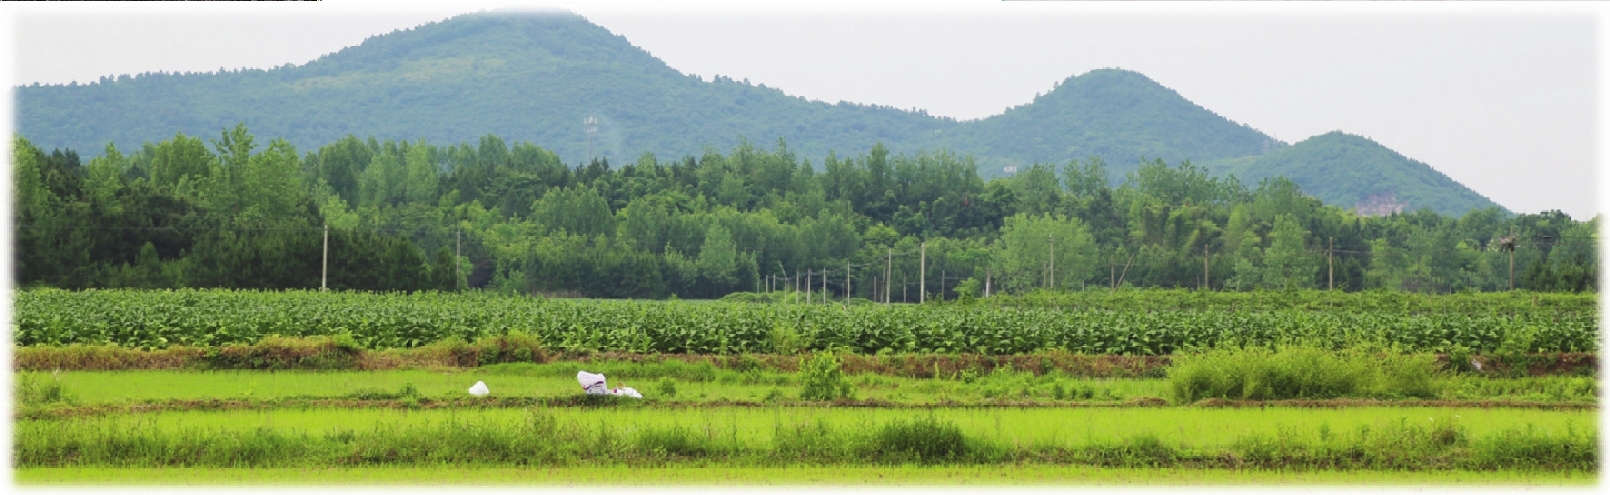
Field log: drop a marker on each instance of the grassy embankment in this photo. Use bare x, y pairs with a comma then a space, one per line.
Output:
1269, 438
794, 475
108, 392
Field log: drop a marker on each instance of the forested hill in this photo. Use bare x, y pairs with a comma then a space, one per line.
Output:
1122, 116
537, 78
523, 77
1348, 170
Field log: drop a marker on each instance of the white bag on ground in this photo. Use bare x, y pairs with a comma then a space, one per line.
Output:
594, 384
591, 383
479, 390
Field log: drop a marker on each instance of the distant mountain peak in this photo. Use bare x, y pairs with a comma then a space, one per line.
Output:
561, 82
1355, 171
1118, 114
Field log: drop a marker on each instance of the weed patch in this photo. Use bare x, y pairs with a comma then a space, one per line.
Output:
1300, 372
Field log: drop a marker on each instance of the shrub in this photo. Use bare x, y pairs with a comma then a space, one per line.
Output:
822, 379
1530, 449
818, 441
1406, 375
785, 340
926, 440
1300, 372
1460, 360
36, 388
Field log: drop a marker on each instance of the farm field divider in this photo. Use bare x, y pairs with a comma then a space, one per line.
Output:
158, 319
1294, 439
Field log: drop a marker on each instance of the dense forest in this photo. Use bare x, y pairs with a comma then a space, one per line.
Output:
233, 211
539, 78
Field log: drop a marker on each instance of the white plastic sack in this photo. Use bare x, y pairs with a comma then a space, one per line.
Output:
627, 391
479, 390
591, 383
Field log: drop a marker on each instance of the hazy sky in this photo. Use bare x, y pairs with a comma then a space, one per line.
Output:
1500, 97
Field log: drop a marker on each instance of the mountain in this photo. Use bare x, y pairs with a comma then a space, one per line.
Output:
1347, 170
540, 77
522, 77
1122, 116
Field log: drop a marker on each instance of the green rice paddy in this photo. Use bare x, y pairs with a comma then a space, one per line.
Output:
724, 427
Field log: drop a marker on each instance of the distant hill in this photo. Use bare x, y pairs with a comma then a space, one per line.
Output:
1347, 170
522, 77
538, 77
1122, 116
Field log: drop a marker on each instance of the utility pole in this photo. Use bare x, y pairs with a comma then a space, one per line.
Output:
1205, 282
846, 284
1512, 257
324, 272
922, 275
1330, 264
904, 287
807, 284
458, 253
824, 286
1053, 243
941, 285
1112, 271
888, 263
986, 281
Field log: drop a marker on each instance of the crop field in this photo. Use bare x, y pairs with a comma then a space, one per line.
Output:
237, 387
1151, 326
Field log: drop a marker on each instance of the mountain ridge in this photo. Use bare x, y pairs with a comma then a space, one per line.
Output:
1363, 174
539, 77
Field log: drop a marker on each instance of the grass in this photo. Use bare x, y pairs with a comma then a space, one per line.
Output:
692, 383
40, 388
1354, 438
1302, 372
1204, 426
115, 387
750, 444
795, 475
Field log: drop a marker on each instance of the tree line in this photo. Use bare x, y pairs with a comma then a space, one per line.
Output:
366, 214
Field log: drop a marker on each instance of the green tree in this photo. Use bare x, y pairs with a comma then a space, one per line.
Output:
1287, 262
718, 259
421, 174
179, 160
1022, 258
577, 210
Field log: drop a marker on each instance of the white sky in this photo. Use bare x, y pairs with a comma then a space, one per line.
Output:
1501, 97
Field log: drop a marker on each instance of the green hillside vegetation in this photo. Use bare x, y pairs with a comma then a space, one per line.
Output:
537, 78
531, 78
1119, 115
233, 211
1348, 170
